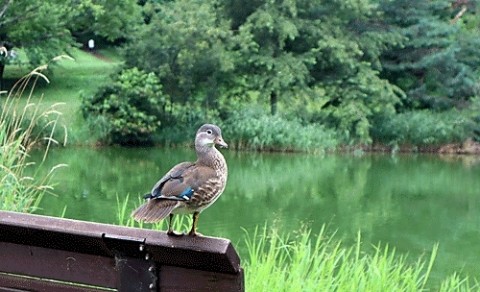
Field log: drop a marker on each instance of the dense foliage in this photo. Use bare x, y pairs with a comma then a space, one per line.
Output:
126, 110
44, 29
251, 129
436, 64
360, 68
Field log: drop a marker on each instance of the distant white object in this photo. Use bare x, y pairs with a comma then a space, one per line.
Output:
91, 44
13, 54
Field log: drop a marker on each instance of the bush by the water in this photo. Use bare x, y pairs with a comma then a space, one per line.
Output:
127, 110
247, 128
423, 128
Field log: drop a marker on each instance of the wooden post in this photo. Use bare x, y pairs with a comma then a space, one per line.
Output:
40, 253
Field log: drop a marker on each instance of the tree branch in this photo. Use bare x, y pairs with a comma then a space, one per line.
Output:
25, 15
5, 7
459, 15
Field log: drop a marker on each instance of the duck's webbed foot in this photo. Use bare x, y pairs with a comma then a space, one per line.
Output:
173, 233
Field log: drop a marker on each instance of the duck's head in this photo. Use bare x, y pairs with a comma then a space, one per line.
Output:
209, 135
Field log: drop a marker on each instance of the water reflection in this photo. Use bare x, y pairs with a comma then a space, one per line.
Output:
410, 202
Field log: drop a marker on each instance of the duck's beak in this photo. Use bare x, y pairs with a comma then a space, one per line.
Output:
219, 141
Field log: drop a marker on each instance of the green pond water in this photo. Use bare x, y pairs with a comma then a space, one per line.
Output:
409, 202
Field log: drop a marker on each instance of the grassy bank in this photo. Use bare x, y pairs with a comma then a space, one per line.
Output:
69, 80
318, 262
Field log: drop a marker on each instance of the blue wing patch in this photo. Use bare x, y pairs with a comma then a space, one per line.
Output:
186, 194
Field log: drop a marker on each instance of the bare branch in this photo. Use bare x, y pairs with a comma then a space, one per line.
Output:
459, 15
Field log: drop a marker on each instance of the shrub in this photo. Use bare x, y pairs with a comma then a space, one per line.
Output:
181, 122
251, 129
473, 113
424, 127
126, 111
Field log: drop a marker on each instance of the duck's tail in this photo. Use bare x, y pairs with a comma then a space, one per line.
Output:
154, 210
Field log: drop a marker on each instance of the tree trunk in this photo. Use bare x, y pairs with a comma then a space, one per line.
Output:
273, 103
2, 69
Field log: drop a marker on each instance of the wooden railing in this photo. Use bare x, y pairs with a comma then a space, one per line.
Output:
40, 253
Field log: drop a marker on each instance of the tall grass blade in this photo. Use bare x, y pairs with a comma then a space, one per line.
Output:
20, 132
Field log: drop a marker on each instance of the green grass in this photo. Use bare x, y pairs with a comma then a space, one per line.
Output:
320, 263
303, 261
24, 125
69, 80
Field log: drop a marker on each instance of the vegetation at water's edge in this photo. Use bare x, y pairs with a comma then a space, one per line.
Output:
22, 126
303, 261
318, 262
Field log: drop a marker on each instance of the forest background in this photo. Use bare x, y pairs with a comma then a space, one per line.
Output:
276, 75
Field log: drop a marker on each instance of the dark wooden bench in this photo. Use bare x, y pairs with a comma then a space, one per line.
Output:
40, 253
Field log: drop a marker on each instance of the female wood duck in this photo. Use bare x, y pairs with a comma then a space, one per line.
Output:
189, 187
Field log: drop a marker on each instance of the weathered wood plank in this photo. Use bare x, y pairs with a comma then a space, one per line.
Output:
173, 279
89, 237
14, 283
51, 253
58, 264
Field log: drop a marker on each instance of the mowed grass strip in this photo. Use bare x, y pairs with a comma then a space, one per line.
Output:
69, 80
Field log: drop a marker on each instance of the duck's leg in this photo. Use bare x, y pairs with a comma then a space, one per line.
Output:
193, 231
170, 227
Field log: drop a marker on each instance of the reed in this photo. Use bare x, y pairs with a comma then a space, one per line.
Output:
251, 129
23, 127
319, 263
303, 261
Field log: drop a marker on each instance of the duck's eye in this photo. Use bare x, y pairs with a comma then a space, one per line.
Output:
209, 132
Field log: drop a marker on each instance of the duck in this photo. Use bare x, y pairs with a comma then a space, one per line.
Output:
189, 187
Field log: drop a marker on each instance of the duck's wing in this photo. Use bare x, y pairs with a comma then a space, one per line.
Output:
184, 182
165, 195
175, 174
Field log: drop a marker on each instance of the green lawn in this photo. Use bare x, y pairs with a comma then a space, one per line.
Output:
69, 80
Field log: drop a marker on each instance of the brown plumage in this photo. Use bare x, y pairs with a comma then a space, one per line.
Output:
189, 187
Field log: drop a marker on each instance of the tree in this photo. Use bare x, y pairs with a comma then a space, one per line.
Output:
37, 26
43, 28
436, 62
186, 43
270, 62
327, 51
111, 20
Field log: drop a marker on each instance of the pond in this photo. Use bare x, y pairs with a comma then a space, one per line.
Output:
409, 202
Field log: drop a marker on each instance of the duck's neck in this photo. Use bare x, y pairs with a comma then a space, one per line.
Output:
211, 157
